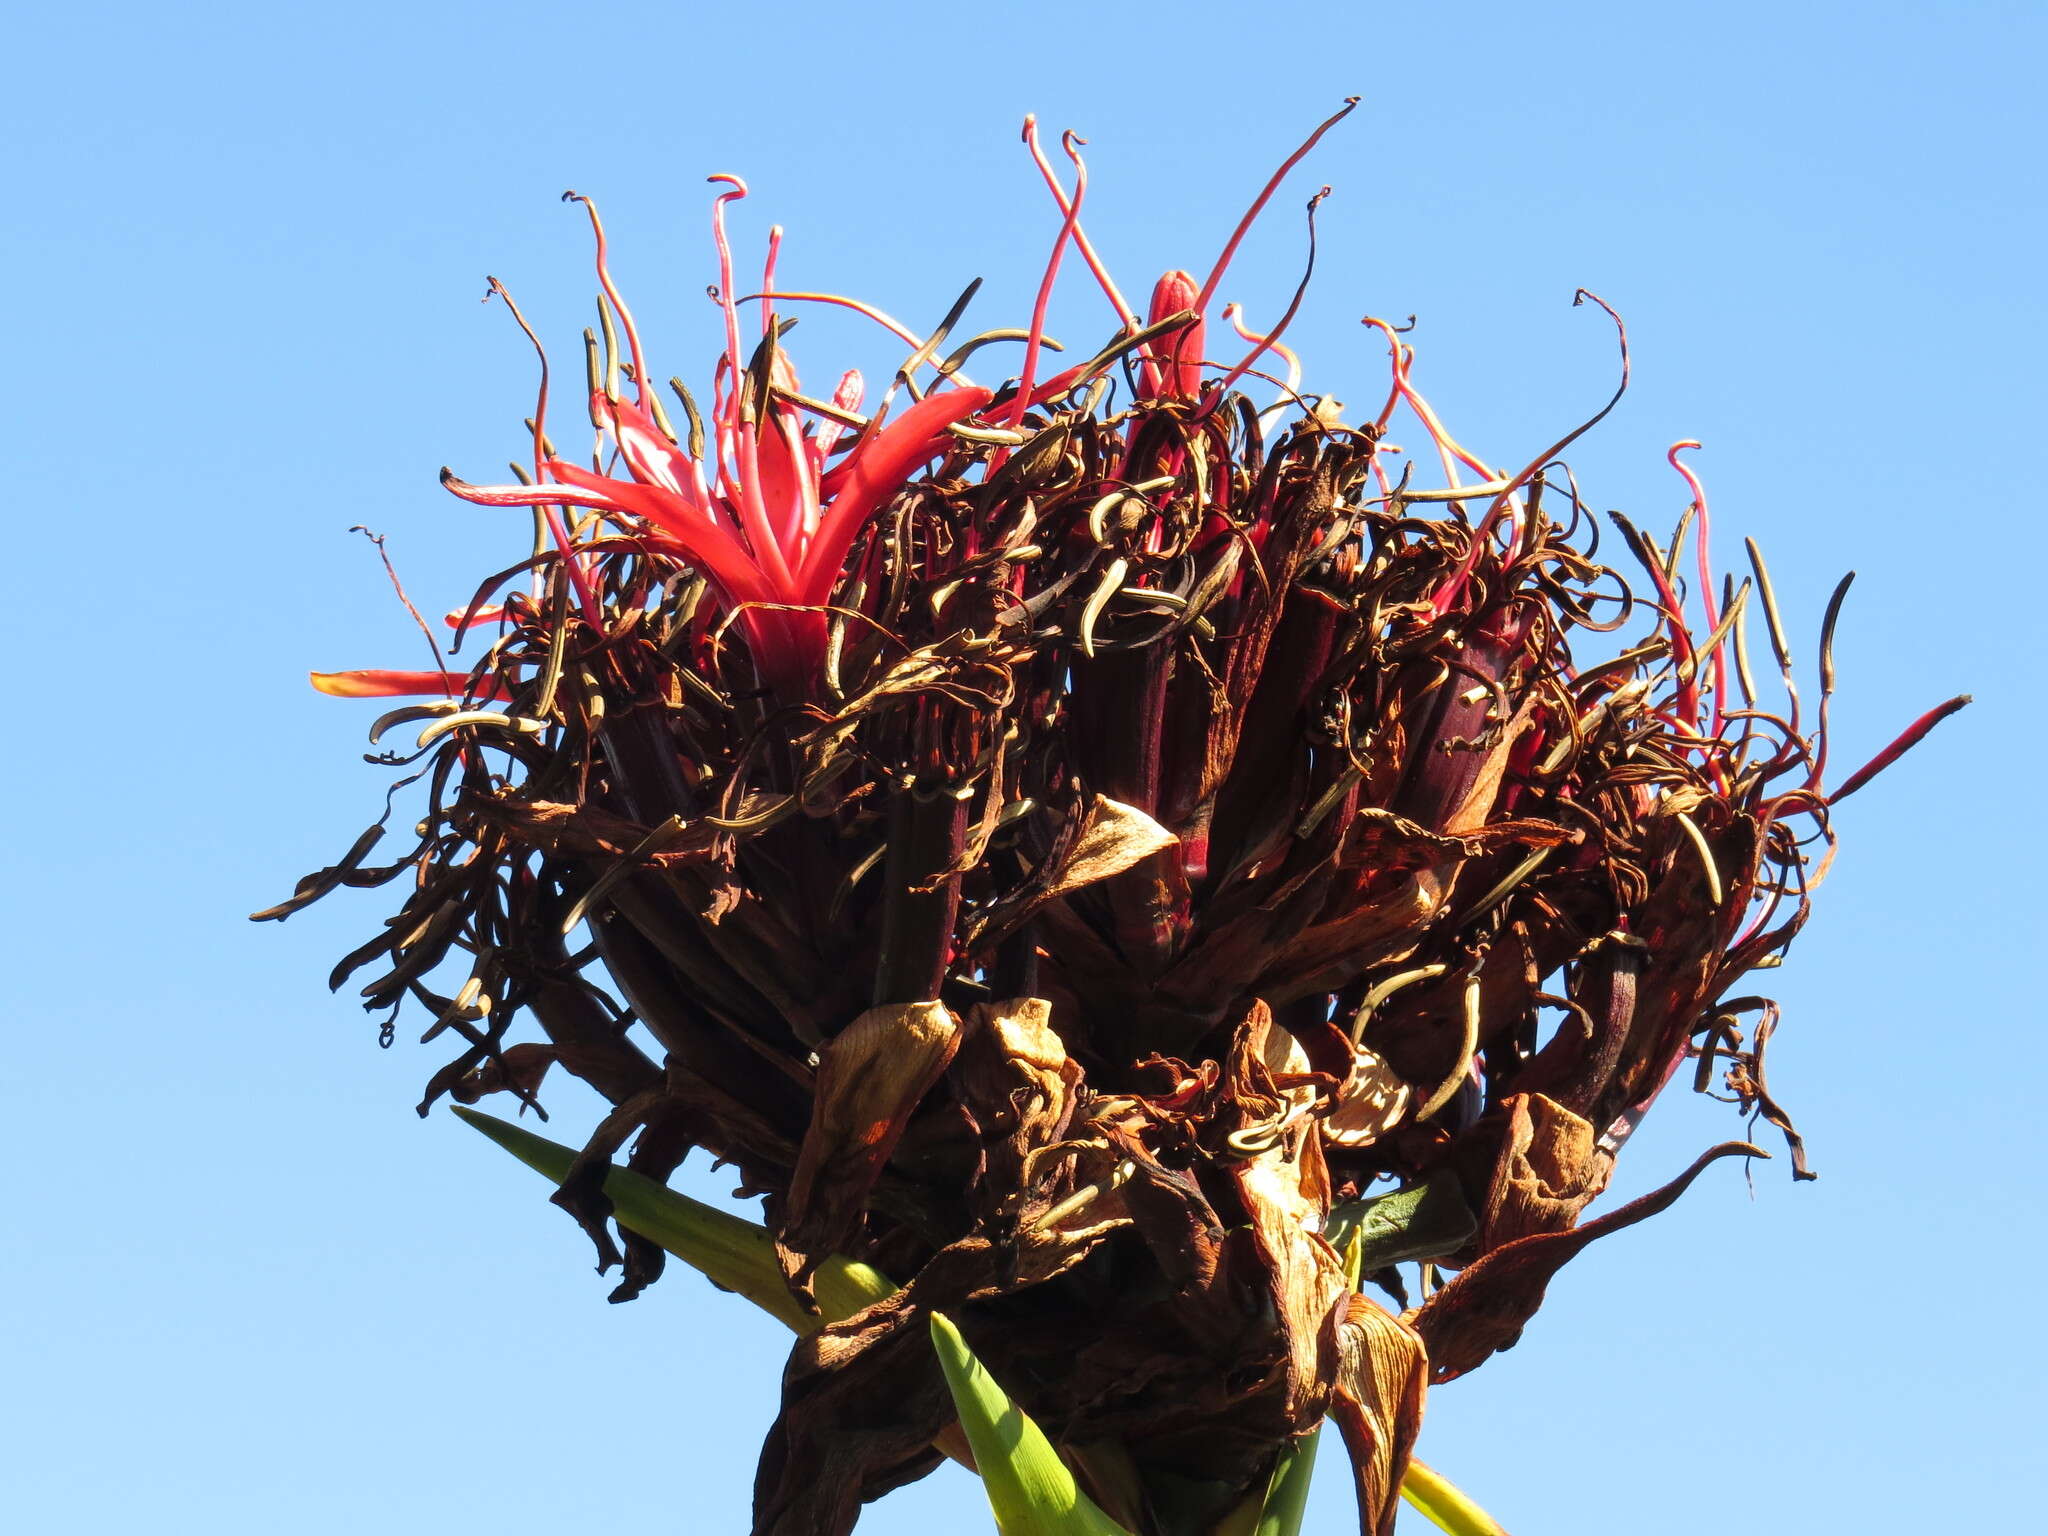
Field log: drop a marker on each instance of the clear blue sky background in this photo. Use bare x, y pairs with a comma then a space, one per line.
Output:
248, 1291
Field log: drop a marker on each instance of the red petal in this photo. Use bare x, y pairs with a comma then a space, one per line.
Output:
1057, 385
878, 471
702, 541
1182, 351
375, 684
782, 476
653, 459
1907, 739
532, 495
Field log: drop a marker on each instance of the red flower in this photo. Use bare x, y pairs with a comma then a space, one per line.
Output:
751, 503
758, 513
385, 684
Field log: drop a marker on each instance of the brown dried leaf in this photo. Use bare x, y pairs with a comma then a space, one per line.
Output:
871, 1076
566, 830
1101, 841
1382, 1379
1014, 1074
1285, 1190
1474, 808
1538, 1166
1373, 1102
862, 1402
1330, 955
519, 1069
1115, 837
1485, 1308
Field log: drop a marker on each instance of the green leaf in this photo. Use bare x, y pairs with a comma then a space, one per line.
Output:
1029, 1487
1277, 1509
1424, 1221
740, 1255
1287, 1494
734, 1252
1446, 1507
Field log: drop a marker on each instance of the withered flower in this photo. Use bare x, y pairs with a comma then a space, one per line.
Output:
1115, 856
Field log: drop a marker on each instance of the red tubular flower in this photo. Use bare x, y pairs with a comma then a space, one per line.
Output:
1181, 378
758, 513
873, 471
384, 684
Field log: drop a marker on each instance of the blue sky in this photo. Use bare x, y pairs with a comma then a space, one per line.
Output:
250, 1291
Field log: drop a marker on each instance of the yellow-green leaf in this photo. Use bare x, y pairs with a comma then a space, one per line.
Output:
740, 1255
1447, 1508
1287, 1494
1277, 1509
1028, 1486
731, 1250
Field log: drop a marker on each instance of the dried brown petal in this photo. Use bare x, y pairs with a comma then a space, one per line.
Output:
1538, 1166
871, 1076
1383, 1375
1486, 1306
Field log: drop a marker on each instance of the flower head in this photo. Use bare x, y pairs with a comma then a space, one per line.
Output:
1136, 858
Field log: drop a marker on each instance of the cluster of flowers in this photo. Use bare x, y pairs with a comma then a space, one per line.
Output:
1111, 853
